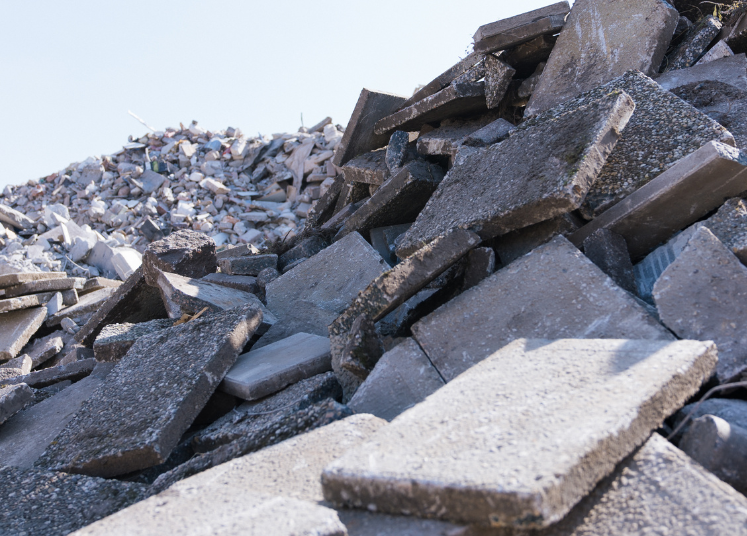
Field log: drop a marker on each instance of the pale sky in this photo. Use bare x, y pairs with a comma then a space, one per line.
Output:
72, 69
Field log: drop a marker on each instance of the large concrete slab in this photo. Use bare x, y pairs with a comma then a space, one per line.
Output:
508, 33
87, 304
536, 294
731, 71
183, 252
536, 174
509, 456
152, 396
603, 39
695, 185
359, 136
17, 328
13, 399
25, 302
443, 80
10, 280
42, 285
265, 371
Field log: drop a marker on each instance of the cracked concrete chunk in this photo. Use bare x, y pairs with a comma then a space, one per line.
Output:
13, 399
508, 33
449, 136
184, 252
538, 474
247, 265
368, 168
11, 280
239, 282
115, 340
694, 44
498, 76
609, 252
17, 328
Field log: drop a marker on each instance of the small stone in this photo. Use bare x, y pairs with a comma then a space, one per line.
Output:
185, 253
126, 261
718, 51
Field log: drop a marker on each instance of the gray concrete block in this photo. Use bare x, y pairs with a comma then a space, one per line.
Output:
498, 76
13, 399
42, 285
11, 280
449, 136
265, 371
308, 247
508, 33
239, 282
184, 252
515, 244
248, 265
37, 379
115, 340
44, 349
397, 151
542, 467
87, 304
492, 133
169, 376
383, 240
368, 168
693, 45
97, 283
25, 302
612, 37
470, 327
324, 207
513, 184
609, 252
17, 328
731, 71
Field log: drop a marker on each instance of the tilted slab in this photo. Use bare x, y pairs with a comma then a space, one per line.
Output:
13, 399
42, 285
523, 436
443, 80
115, 340
88, 303
508, 33
25, 302
17, 328
369, 168
10, 280
183, 252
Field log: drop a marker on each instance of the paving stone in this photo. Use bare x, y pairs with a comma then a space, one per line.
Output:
184, 252
698, 184
383, 239
498, 76
265, 371
369, 168
13, 399
89, 303
470, 327
42, 378
513, 184
239, 282
402, 378
694, 44
492, 133
399, 200
17, 328
24, 436
134, 301
25, 302
701, 296
609, 252
537, 475
731, 71
508, 33
449, 136
170, 374
443, 80
396, 151
248, 265
308, 247
70, 502
44, 285
515, 244
609, 38
14, 218
11, 280
359, 136
115, 340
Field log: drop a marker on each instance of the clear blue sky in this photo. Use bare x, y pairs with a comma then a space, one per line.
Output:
72, 69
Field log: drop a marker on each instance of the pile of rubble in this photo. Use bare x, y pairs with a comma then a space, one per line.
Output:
507, 311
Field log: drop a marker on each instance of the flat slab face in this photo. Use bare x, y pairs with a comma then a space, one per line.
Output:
115, 340
43, 285
731, 71
70, 502
402, 378
369, 168
88, 303
536, 174
17, 328
522, 398
183, 252
239, 282
9, 280
24, 302
508, 33
603, 39
263, 372
471, 327
248, 265
152, 396
13, 399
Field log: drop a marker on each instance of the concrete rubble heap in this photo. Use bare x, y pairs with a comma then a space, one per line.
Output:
492, 308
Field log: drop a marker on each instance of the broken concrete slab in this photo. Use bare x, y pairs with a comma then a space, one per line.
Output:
45, 348
443, 80
70, 502
697, 184
470, 327
13, 399
701, 295
324, 207
399, 200
449, 136
25, 302
265, 371
609, 252
42, 378
693, 45
238, 282
338, 220
248, 265
184, 252
731, 71
402, 378
115, 340
508, 186
183, 365
359, 136
498, 76
383, 239
480, 264
729, 225
89, 303
608, 38
42, 285
492, 133
508, 33
17, 328
11, 280
363, 348
397, 151
536, 476
515, 244
368, 168
718, 51
308, 247
14, 218
237, 251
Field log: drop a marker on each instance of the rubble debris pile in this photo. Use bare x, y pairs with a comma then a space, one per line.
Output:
511, 304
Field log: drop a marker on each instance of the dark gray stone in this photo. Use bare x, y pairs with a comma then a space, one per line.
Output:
248, 265
324, 207
338, 220
498, 76
364, 348
383, 240
308, 247
515, 244
508, 33
396, 151
368, 168
693, 45
236, 251
609, 252
42, 378
238, 282
115, 340
352, 192
492, 133
184, 252
449, 136
480, 264
13, 399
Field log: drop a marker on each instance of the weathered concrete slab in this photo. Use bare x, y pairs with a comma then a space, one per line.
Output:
402, 378
731, 71
538, 474
609, 252
382, 239
602, 40
480, 263
248, 265
37, 379
696, 185
508, 33
449, 136
324, 207
42, 285
239, 282
399, 200
718, 51
265, 371
17, 328
88, 303
56, 504
13, 399
115, 340
369, 168
492, 133
24, 436
25, 302
97, 283
443, 80
11, 280
169, 375
44, 349
308, 247
470, 327
694, 44
514, 184
515, 244
701, 296
134, 301
359, 136
14, 218
184, 252
498, 76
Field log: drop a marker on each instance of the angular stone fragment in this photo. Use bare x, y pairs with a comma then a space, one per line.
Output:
43, 285
14, 218
539, 474
718, 51
359, 136
498, 76
271, 368
338, 220
115, 340
399, 200
170, 375
731, 71
324, 207
13, 399
609, 252
701, 296
17, 328
248, 265
731, 410
603, 39
238, 282
351, 192
369, 168
515, 244
187, 253
396, 151
693, 45
68, 502
42, 378
449, 136
480, 264
25, 302
737, 33
11, 280
492, 133
471, 327
443, 80
508, 33
537, 174
383, 240
308, 247
45, 348
363, 349
89, 303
